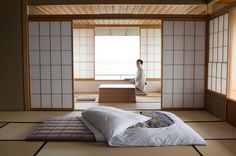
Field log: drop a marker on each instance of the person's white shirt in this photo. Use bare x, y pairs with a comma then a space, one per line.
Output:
140, 80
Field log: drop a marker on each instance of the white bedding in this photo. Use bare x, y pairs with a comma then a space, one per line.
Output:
177, 134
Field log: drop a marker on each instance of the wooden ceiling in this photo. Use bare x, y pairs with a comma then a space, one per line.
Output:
117, 9
123, 22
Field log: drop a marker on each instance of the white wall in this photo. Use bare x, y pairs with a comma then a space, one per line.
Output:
92, 86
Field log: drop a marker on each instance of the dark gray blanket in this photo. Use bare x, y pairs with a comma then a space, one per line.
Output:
62, 129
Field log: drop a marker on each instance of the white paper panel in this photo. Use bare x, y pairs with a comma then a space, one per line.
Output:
35, 72
67, 72
199, 100
189, 28
199, 71
34, 57
67, 86
45, 57
56, 101
168, 57
178, 57
199, 86
33, 28
45, 72
67, 58
55, 43
67, 101
188, 86
178, 72
66, 43
177, 100
35, 100
178, 42
167, 72
178, 86
189, 72
189, 43
188, 100
167, 100
46, 101
44, 28
167, 86
189, 57
45, 86
56, 72
200, 28
44, 43
56, 87
56, 58
66, 28
178, 28
200, 57
33, 43
55, 28
35, 86
168, 43
168, 28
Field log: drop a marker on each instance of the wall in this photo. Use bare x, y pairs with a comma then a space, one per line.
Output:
92, 86
11, 63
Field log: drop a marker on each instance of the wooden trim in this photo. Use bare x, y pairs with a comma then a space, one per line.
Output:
148, 79
52, 109
93, 2
117, 16
161, 103
215, 93
26, 67
72, 66
222, 11
182, 109
117, 25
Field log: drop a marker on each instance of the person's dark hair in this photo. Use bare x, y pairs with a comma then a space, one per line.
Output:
140, 61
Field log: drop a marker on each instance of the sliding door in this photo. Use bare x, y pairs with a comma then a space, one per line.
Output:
183, 64
51, 76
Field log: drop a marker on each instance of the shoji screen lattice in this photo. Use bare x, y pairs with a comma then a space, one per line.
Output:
50, 48
218, 54
84, 53
151, 51
183, 64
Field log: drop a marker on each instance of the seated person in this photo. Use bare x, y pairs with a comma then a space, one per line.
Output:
140, 80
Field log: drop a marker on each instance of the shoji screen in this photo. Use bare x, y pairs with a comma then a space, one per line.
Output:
50, 48
84, 53
151, 51
183, 64
218, 54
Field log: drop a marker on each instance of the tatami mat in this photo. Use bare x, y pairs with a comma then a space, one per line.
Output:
219, 148
145, 99
101, 149
32, 116
214, 130
2, 123
16, 131
19, 148
155, 105
196, 116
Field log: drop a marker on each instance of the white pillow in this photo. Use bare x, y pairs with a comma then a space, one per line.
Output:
112, 121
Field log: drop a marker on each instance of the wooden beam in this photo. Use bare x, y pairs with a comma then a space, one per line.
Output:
90, 2
115, 16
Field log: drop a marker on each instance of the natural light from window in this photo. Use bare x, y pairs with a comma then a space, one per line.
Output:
115, 57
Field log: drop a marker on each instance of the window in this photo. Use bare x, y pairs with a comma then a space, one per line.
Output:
115, 57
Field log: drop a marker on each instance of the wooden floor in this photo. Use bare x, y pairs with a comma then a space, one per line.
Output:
150, 101
15, 126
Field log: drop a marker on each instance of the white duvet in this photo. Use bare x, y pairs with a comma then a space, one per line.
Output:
114, 125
